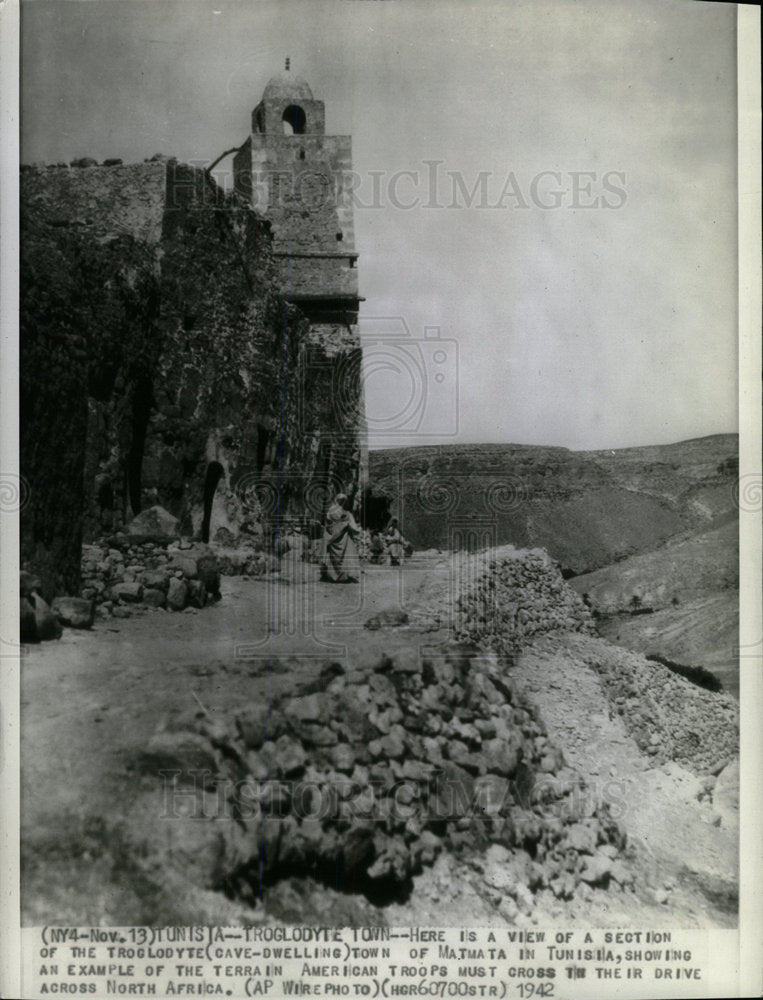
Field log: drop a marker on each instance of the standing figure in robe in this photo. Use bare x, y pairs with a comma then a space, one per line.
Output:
340, 562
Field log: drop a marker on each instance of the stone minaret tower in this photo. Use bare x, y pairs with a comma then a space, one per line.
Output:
298, 178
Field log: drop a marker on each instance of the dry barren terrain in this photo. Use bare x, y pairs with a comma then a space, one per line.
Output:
99, 845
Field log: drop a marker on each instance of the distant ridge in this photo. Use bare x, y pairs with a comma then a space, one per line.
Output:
587, 508
731, 438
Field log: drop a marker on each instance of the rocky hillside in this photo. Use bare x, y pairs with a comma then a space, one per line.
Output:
679, 602
587, 509
696, 565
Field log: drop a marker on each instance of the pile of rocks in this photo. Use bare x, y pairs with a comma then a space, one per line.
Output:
368, 775
508, 596
128, 571
669, 717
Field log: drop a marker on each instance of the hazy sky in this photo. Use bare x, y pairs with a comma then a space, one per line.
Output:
579, 325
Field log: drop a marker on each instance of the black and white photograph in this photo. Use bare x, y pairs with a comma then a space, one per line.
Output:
378, 499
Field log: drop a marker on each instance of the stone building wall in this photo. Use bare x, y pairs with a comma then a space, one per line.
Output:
152, 317
89, 271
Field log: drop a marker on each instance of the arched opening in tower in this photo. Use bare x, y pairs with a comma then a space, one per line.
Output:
294, 120
212, 478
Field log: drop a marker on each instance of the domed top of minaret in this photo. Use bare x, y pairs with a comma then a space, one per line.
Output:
287, 86
288, 108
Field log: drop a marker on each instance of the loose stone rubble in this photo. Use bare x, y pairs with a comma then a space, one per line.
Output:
365, 778
514, 596
668, 717
509, 595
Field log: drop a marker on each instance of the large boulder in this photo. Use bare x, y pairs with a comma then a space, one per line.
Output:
155, 522
177, 594
186, 563
128, 591
198, 563
47, 624
154, 598
156, 579
74, 612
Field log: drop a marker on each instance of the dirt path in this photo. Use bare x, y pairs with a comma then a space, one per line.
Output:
91, 699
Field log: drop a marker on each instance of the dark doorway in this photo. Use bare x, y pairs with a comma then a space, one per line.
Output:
263, 440
212, 478
142, 401
376, 509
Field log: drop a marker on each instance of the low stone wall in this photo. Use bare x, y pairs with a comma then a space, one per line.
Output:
124, 573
